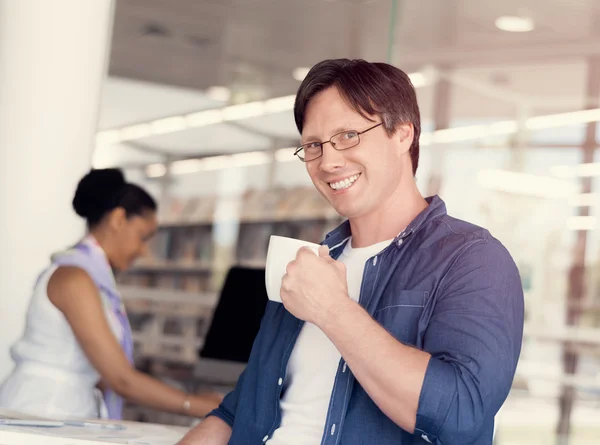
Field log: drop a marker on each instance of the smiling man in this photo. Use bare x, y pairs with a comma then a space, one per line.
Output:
407, 327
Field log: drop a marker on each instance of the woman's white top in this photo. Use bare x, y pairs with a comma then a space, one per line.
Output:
53, 377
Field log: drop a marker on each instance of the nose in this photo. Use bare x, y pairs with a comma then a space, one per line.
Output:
331, 160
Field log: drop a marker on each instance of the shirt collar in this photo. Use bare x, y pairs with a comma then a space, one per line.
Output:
437, 207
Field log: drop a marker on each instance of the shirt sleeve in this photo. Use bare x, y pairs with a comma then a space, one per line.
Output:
474, 338
228, 407
226, 411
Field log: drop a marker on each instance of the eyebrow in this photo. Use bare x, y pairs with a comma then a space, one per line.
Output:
336, 131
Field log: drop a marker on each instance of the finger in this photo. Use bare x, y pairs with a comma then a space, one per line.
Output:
341, 267
305, 251
289, 266
325, 254
324, 251
285, 282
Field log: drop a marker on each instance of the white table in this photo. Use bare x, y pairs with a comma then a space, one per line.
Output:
129, 433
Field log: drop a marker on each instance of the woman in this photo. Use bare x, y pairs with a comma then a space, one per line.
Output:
75, 358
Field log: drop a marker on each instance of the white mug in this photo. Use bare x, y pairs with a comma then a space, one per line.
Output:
281, 252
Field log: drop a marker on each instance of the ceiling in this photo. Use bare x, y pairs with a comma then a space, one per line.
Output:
167, 53
257, 43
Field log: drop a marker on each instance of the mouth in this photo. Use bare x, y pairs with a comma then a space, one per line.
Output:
344, 184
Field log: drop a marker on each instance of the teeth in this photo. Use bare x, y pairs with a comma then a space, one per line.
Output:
344, 184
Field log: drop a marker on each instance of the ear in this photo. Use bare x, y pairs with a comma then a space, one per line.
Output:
117, 218
405, 134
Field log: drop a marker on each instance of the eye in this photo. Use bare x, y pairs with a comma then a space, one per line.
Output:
349, 135
312, 145
312, 148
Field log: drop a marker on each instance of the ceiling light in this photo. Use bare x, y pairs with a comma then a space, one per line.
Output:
473, 132
427, 76
512, 23
563, 119
300, 73
251, 158
285, 103
221, 162
202, 118
418, 79
108, 137
588, 170
219, 93
581, 170
243, 111
156, 170
279, 104
187, 166
135, 132
582, 223
168, 125
525, 184
426, 139
285, 154
585, 200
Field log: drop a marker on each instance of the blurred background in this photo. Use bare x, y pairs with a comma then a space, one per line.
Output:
193, 99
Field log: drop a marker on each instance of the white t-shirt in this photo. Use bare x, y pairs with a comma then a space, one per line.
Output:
313, 366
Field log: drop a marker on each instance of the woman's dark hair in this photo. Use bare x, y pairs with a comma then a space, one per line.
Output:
103, 190
371, 89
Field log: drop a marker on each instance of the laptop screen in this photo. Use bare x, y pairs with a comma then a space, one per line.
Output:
236, 319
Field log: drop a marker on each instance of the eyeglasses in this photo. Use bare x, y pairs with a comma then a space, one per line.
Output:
340, 141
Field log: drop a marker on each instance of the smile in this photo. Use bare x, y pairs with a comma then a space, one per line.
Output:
344, 183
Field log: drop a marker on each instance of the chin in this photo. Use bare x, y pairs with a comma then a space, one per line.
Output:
121, 267
354, 208
347, 207
345, 211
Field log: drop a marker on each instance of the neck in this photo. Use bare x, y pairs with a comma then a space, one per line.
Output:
103, 240
390, 218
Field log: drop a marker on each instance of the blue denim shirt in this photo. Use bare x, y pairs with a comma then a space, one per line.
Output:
444, 286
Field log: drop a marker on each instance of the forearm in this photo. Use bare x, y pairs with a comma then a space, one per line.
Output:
389, 371
211, 431
150, 392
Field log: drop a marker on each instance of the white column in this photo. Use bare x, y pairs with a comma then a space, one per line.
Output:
231, 185
53, 60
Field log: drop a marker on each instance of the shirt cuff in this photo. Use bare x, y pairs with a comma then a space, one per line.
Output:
222, 414
435, 399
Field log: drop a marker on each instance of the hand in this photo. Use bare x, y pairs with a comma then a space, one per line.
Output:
204, 402
313, 285
211, 396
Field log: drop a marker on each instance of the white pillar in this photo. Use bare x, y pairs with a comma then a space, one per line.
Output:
53, 60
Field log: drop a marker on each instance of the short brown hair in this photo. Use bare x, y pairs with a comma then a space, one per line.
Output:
370, 89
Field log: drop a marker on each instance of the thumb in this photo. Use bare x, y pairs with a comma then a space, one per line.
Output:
324, 252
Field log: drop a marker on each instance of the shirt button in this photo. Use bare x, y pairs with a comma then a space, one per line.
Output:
344, 368
333, 429
266, 438
400, 241
280, 381
425, 438
375, 261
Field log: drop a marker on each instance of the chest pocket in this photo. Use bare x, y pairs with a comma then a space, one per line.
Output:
399, 313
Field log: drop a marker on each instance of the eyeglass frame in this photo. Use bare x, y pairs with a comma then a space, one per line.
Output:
358, 133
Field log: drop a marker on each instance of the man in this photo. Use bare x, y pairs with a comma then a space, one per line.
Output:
407, 327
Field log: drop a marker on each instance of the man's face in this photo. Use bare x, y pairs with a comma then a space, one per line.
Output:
363, 179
